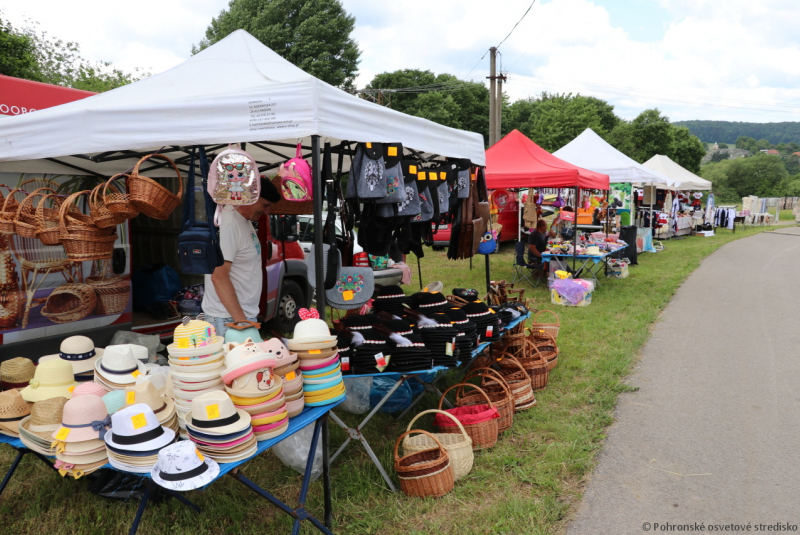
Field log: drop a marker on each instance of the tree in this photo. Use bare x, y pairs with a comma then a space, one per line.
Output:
686, 150
644, 137
760, 175
722, 145
17, 53
719, 156
441, 98
312, 34
717, 174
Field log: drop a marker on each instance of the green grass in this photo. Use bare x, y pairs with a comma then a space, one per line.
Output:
528, 483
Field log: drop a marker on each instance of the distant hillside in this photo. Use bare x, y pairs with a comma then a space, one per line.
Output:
729, 132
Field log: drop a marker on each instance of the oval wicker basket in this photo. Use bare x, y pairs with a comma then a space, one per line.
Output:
70, 302
536, 366
459, 447
427, 473
550, 328
519, 382
148, 196
101, 216
112, 294
47, 220
546, 344
83, 241
119, 201
483, 434
26, 213
498, 391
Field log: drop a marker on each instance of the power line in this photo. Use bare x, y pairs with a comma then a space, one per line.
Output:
517, 24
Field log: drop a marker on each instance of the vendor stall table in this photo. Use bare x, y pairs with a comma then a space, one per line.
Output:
316, 415
427, 378
591, 264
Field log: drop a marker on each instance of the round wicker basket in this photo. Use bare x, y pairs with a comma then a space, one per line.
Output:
112, 294
70, 302
459, 447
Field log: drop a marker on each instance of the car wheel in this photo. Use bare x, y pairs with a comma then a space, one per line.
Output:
289, 302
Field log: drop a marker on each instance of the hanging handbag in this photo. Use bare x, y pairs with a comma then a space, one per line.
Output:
393, 156
199, 252
367, 179
353, 288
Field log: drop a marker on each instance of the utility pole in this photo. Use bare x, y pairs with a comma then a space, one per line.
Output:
492, 95
498, 114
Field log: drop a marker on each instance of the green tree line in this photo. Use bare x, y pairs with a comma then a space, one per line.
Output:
730, 131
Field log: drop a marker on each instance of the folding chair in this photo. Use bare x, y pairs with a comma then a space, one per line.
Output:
524, 271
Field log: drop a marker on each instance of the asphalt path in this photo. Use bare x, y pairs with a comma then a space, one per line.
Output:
712, 436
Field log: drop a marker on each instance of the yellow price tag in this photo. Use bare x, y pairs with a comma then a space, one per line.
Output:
62, 433
421, 176
347, 295
201, 456
433, 176
212, 411
442, 175
136, 373
182, 343
291, 375
391, 151
492, 311
369, 145
412, 169
139, 421
314, 351
71, 389
425, 289
130, 398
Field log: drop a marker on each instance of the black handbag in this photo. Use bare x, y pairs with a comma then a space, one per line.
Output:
199, 252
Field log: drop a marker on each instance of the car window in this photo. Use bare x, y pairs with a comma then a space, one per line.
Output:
306, 230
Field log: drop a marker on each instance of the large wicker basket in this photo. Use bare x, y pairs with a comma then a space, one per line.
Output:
118, 201
496, 389
536, 366
547, 346
148, 196
83, 241
112, 294
70, 302
483, 433
551, 328
519, 382
459, 447
48, 220
26, 213
426, 473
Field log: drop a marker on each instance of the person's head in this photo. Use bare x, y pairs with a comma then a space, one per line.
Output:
269, 196
568, 209
541, 226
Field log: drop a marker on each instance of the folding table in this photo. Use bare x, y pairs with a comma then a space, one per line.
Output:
316, 415
591, 264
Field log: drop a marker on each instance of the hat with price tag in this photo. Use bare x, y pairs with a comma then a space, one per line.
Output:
118, 367
136, 428
12, 409
182, 467
244, 358
84, 418
311, 333
214, 413
52, 379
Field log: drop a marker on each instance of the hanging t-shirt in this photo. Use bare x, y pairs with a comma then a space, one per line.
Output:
239, 243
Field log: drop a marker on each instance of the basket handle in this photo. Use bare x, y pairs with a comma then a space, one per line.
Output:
30, 196
108, 183
10, 196
494, 375
401, 437
489, 401
62, 225
135, 171
434, 411
513, 360
536, 316
40, 207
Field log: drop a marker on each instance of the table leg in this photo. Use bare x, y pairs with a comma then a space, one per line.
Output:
178, 496
140, 511
326, 472
7, 478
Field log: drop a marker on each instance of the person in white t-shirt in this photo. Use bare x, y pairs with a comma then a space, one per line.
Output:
233, 291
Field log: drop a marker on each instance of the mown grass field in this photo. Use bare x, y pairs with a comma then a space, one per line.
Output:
528, 483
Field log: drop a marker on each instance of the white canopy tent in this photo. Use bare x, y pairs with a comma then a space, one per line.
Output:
237, 90
683, 179
592, 152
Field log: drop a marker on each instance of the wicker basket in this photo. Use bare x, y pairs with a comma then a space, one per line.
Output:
519, 382
498, 391
550, 328
26, 213
483, 434
70, 302
8, 213
84, 241
101, 216
112, 294
546, 345
118, 201
426, 473
284, 207
148, 196
459, 447
536, 366
47, 220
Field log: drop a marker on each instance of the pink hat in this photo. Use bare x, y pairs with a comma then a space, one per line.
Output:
245, 358
84, 418
89, 388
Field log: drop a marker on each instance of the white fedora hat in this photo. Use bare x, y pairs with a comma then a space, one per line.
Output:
181, 467
118, 365
136, 428
213, 413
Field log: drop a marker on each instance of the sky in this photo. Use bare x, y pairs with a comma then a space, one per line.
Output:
735, 60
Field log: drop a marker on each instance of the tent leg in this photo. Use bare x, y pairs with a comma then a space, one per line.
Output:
419, 271
318, 223
488, 273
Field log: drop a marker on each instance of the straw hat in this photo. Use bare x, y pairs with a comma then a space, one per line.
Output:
91, 388
181, 467
146, 392
136, 428
118, 365
46, 417
12, 409
245, 358
16, 373
214, 413
193, 338
114, 401
78, 351
311, 332
52, 379
84, 418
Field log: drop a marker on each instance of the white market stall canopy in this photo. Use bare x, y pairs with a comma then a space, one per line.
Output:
590, 151
237, 90
683, 178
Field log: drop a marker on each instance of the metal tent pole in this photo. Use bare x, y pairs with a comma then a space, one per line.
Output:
319, 255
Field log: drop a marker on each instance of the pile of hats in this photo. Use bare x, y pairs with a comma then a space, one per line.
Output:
36, 430
80, 448
182, 467
16, 373
219, 429
489, 325
428, 303
12, 410
410, 354
287, 367
371, 352
467, 338
135, 438
253, 388
197, 362
317, 350
439, 335
52, 379
346, 350
162, 406
118, 367
390, 299
80, 352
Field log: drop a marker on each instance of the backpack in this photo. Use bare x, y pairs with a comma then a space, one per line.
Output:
233, 178
295, 175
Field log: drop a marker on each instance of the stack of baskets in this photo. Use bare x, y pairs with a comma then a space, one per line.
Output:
497, 391
426, 472
479, 420
8, 210
25, 218
112, 294
81, 237
458, 445
518, 381
546, 345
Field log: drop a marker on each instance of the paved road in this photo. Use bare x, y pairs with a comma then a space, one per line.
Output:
713, 434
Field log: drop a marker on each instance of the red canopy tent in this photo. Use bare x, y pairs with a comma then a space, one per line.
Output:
517, 162
18, 96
